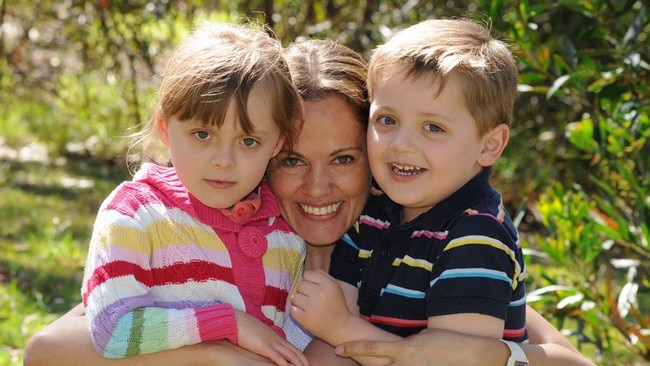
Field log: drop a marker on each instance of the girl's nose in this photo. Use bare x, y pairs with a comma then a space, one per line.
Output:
223, 158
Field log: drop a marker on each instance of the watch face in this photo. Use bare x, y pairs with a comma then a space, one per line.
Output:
520, 363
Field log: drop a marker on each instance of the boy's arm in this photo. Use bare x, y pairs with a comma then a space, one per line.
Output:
322, 305
327, 308
469, 323
547, 347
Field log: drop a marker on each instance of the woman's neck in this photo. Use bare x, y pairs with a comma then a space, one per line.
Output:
318, 257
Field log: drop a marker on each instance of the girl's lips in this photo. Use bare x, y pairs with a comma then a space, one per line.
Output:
320, 210
220, 184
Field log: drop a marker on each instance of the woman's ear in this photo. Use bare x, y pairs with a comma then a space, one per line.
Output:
494, 142
161, 126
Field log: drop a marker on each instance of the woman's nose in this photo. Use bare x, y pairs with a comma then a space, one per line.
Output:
317, 181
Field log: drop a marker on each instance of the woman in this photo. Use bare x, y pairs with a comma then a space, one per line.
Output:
321, 185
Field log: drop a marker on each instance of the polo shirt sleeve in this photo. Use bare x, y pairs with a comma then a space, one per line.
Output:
345, 264
477, 271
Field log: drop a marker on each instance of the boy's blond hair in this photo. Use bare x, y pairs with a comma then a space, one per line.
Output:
440, 48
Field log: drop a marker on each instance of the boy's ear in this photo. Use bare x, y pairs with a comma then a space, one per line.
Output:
494, 142
161, 126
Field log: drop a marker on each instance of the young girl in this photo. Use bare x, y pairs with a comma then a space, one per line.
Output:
195, 249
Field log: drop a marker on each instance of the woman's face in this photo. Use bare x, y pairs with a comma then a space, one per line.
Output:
322, 185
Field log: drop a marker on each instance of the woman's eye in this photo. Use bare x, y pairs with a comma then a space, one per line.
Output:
387, 120
292, 161
432, 128
249, 142
201, 135
344, 159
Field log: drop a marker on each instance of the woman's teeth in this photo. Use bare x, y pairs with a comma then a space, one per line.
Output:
320, 211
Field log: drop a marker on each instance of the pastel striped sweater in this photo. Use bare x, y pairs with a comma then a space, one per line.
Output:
165, 271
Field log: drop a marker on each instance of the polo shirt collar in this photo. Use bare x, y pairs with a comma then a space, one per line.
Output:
477, 189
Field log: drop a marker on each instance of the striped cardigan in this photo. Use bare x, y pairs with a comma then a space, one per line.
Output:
164, 270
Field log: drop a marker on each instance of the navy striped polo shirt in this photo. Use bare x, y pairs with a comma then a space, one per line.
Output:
462, 256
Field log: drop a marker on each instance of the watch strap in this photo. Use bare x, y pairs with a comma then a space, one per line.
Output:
517, 355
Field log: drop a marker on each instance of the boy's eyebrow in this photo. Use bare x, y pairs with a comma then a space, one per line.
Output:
382, 108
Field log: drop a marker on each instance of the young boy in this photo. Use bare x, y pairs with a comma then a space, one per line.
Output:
438, 249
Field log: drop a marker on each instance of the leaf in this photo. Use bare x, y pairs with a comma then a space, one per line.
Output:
557, 84
635, 28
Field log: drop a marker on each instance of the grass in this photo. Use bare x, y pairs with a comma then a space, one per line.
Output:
47, 209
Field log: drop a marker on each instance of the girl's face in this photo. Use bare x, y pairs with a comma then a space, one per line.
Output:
221, 166
323, 184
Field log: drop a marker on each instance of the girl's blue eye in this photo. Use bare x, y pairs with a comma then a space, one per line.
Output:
202, 135
387, 120
249, 142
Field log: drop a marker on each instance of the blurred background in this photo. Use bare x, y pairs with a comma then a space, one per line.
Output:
77, 76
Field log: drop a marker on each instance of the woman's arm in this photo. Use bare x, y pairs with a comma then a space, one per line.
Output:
551, 348
66, 341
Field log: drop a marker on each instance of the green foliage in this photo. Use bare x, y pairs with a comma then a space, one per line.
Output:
82, 74
597, 213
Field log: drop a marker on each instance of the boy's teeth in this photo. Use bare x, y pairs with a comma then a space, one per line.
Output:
406, 169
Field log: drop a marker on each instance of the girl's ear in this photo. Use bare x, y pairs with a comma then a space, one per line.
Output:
161, 126
278, 147
494, 142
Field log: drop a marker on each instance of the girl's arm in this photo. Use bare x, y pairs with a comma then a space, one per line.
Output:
66, 341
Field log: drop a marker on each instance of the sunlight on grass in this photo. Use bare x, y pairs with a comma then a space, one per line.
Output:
19, 319
47, 211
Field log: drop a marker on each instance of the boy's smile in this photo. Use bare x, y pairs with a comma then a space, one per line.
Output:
422, 147
402, 170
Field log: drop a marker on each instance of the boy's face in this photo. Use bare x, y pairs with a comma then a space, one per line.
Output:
221, 166
421, 148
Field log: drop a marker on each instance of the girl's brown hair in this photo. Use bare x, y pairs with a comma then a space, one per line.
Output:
219, 63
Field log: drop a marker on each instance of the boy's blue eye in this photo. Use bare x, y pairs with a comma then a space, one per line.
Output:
432, 128
387, 120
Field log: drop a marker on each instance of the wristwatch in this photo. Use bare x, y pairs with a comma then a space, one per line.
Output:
517, 355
